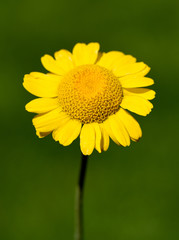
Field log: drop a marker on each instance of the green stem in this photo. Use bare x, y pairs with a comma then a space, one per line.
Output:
79, 200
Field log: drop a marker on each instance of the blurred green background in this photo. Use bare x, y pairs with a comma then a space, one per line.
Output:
131, 193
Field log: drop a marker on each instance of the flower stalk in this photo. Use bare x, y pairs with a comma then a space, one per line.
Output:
79, 199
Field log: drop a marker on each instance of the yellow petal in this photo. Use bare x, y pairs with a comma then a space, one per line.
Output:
64, 59
119, 130
42, 85
137, 105
42, 134
49, 121
68, 133
142, 92
97, 137
107, 126
42, 105
87, 139
130, 124
140, 74
85, 54
57, 131
52, 65
129, 69
143, 72
104, 138
134, 82
126, 59
107, 60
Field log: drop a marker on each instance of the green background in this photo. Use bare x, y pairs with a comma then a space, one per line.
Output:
130, 193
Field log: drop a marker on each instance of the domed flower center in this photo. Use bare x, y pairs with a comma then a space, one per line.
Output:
90, 93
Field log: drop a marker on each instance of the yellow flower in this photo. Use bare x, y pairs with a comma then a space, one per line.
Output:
86, 93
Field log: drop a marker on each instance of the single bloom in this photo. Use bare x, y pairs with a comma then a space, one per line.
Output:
87, 93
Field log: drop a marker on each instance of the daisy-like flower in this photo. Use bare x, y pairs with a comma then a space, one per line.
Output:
87, 93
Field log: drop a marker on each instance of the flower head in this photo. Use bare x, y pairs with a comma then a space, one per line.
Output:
87, 93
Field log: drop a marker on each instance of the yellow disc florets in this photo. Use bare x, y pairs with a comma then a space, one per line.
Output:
90, 93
